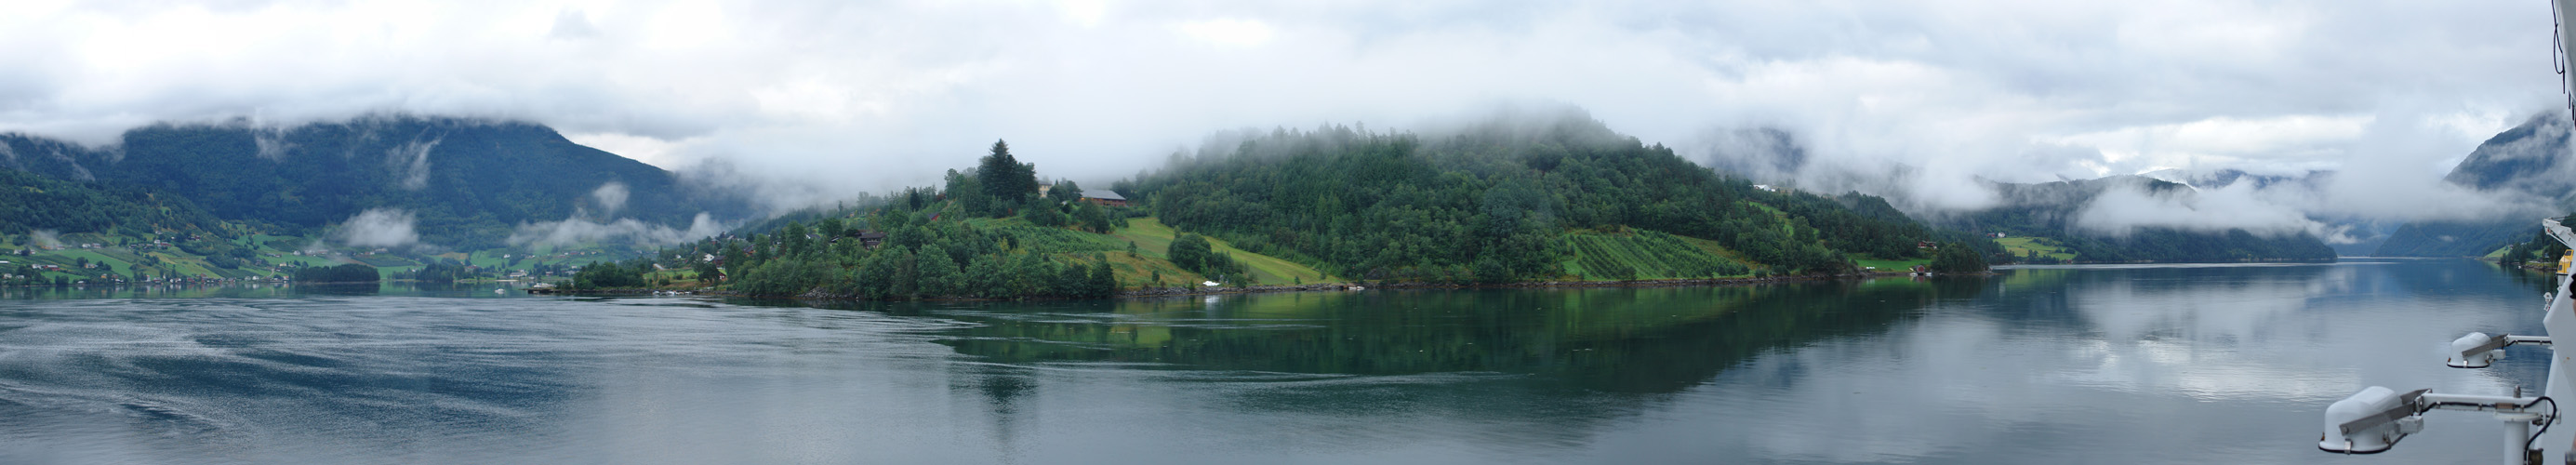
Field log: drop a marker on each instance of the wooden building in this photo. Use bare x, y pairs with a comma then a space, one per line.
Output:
1104, 198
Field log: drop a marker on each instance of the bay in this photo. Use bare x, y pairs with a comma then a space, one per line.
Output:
2087, 364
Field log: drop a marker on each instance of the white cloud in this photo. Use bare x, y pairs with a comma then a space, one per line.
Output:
2222, 138
851, 96
578, 231
609, 197
2121, 211
379, 227
1228, 32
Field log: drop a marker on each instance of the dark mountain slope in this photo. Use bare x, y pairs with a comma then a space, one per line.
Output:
468, 181
30, 203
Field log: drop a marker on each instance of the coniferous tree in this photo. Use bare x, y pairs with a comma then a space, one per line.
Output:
1004, 180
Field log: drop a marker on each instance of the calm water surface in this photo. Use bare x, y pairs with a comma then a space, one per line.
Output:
2143, 364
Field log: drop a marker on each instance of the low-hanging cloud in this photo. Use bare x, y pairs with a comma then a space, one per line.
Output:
2120, 211
380, 227
610, 197
578, 230
836, 98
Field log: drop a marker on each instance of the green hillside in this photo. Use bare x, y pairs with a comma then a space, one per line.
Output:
1154, 240
30, 203
985, 234
1495, 202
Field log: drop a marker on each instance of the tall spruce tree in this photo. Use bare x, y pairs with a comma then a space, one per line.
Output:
1005, 180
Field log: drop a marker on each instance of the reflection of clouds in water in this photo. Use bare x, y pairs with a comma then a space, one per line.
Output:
2153, 365
2199, 311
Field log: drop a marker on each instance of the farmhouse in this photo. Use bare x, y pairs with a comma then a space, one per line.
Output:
1105, 198
868, 239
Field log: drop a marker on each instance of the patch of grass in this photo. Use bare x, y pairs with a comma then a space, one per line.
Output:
120, 266
2023, 246
1154, 239
1137, 270
1041, 239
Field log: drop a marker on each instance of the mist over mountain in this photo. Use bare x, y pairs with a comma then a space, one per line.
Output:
2528, 162
2132, 218
2224, 177
2186, 216
459, 182
2352, 234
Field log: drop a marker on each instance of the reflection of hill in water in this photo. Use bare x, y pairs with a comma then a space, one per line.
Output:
266, 291
1655, 340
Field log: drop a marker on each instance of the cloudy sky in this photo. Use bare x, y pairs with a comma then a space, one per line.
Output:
868, 95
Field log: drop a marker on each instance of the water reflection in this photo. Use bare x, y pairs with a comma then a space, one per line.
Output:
2147, 364
1656, 340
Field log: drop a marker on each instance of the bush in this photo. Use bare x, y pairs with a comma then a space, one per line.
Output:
598, 275
1958, 258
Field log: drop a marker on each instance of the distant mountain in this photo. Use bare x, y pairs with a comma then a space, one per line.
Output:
2051, 210
468, 181
2529, 160
2362, 235
2213, 179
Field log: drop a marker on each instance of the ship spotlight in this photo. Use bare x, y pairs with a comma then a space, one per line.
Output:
2369, 422
2477, 350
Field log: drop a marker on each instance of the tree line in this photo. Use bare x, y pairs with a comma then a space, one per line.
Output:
1491, 202
929, 249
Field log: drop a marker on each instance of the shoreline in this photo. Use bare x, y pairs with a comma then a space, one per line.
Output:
1223, 290
1155, 292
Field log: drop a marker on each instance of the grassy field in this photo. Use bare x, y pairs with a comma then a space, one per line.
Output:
2498, 253
2023, 246
1153, 239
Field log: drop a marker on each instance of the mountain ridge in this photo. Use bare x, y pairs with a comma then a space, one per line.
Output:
470, 182
2528, 161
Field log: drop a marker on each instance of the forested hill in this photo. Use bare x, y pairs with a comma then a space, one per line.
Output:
2528, 161
1509, 199
468, 181
2040, 225
30, 203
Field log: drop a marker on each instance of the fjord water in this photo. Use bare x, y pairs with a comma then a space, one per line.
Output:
2087, 364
